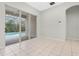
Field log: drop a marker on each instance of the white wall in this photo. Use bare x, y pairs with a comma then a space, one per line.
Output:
49, 26
73, 23
2, 21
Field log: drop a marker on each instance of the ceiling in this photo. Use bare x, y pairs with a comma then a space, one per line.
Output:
42, 5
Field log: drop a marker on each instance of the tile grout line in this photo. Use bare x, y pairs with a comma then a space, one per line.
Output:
71, 49
62, 49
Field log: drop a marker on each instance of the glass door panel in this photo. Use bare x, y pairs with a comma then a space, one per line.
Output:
33, 27
11, 25
24, 26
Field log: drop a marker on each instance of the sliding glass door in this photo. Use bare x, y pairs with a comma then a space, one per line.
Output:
19, 25
24, 26
11, 25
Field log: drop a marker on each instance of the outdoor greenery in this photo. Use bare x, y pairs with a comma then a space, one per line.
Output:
10, 26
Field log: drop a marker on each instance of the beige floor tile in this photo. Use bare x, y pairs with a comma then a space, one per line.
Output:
42, 47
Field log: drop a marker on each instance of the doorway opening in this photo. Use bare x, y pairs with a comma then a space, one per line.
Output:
72, 16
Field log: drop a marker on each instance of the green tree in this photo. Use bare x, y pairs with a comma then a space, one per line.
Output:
10, 26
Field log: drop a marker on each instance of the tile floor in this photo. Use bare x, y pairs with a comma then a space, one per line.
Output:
42, 47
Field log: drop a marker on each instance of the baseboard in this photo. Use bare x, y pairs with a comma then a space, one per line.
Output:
72, 38
53, 38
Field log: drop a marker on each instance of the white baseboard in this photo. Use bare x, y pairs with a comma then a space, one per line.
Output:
53, 38
72, 38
